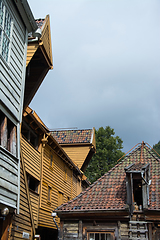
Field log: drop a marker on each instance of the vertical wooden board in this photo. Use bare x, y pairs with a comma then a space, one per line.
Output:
35, 206
22, 222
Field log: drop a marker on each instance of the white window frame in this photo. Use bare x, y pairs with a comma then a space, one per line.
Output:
6, 26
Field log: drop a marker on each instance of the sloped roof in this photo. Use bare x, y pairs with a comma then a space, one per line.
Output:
73, 136
109, 192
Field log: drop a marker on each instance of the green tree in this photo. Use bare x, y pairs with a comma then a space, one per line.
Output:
108, 151
156, 147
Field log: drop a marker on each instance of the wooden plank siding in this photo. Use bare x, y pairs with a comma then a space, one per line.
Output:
12, 72
31, 159
77, 153
34, 197
58, 177
8, 178
46, 39
22, 221
31, 49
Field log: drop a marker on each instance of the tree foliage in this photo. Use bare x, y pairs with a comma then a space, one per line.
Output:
108, 151
156, 147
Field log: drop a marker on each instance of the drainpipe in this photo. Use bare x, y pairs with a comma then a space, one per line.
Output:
53, 214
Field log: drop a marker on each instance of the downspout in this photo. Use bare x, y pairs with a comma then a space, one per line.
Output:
53, 214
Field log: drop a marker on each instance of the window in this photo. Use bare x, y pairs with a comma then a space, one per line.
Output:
100, 236
5, 31
8, 134
49, 194
60, 198
137, 185
30, 135
51, 161
65, 174
33, 183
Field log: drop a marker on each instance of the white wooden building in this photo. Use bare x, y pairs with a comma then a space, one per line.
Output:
16, 21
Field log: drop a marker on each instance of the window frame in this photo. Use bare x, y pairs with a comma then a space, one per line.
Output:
8, 134
6, 29
30, 134
49, 194
111, 233
37, 183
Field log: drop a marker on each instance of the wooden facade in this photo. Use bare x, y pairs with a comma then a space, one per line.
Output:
124, 204
80, 145
50, 176
16, 21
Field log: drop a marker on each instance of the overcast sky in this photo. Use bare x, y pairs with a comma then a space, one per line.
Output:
106, 67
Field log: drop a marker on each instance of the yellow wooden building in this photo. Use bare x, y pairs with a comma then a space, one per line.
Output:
80, 145
48, 178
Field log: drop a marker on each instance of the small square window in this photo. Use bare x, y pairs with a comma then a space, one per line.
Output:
33, 183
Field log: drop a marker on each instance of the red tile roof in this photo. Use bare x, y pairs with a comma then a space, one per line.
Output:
40, 22
109, 192
73, 136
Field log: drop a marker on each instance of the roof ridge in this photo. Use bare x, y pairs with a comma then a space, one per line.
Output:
61, 130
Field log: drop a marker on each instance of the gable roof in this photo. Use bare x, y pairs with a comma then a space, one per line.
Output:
109, 192
73, 136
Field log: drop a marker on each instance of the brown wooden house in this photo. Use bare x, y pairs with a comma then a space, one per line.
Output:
122, 204
38, 63
49, 178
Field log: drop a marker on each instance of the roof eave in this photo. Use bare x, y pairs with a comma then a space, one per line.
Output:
26, 14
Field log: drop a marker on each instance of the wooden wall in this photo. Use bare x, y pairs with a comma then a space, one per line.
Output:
8, 178
77, 153
12, 75
58, 177
22, 221
32, 159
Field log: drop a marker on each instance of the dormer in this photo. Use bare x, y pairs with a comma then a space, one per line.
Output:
137, 185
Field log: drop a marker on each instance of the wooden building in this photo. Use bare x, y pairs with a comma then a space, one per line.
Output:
38, 63
48, 179
80, 145
123, 204
16, 20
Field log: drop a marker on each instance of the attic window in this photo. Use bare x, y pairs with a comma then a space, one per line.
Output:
137, 192
137, 184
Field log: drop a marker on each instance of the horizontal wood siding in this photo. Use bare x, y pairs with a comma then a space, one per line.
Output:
8, 178
22, 221
35, 206
46, 38
124, 230
31, 49
77, 154
74, 187
31, 158
59, 178
12, 73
